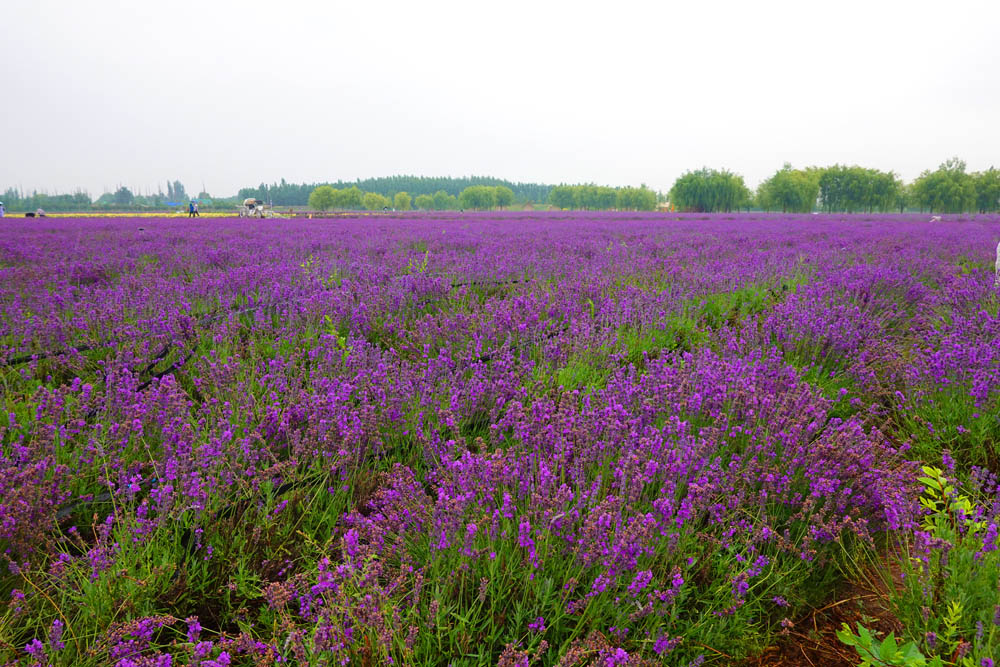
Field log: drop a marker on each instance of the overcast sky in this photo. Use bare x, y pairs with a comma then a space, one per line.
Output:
98, 93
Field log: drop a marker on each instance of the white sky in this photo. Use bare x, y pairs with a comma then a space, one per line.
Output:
95, 93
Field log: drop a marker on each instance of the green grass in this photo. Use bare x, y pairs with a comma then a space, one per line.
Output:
691, 328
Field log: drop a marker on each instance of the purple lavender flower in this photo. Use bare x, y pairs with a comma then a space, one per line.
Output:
55, 636
537, 626
36, 650
193, 629
617, 657
664, 644
223, 660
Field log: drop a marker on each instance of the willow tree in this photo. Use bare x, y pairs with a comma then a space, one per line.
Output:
851, 189
947, 190
987, 185
504, 196
351, 197
444, 201
588, 197
322, 197
707, 190
791, 190
479, 197
636, 199
401, 201
373, 201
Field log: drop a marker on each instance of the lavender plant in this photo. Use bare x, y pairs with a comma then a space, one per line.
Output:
481, 439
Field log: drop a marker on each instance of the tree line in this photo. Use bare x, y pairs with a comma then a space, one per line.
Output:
478, 197
483, 198
15, 200
602, 198
297, 194
841, 189
121, 199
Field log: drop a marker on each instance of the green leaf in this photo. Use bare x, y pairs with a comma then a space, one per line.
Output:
887, 651
912, 656
846, 636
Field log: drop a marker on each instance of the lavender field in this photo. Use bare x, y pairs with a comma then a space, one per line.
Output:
496, 439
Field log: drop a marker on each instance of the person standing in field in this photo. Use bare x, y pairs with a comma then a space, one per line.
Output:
196, 214
996, 278
1, 209
191, 209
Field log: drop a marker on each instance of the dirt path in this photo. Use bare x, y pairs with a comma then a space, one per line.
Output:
812, 640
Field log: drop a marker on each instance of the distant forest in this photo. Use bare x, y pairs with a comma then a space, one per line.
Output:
279, 194
297, 194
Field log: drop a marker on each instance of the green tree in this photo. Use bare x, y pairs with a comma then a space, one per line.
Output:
424, 202
987, 185
348, 198
401, 202
322, 197
15, 200
444, 201
709, 190
479, 197
561, 196
904, 195
791, 190
584, 196
504, 195
947, 190
605, 198
124, 197
372, 201
12, 199
180, 194
280, 194
851, 189
601, 197
885, 191
636, 199
175, 191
